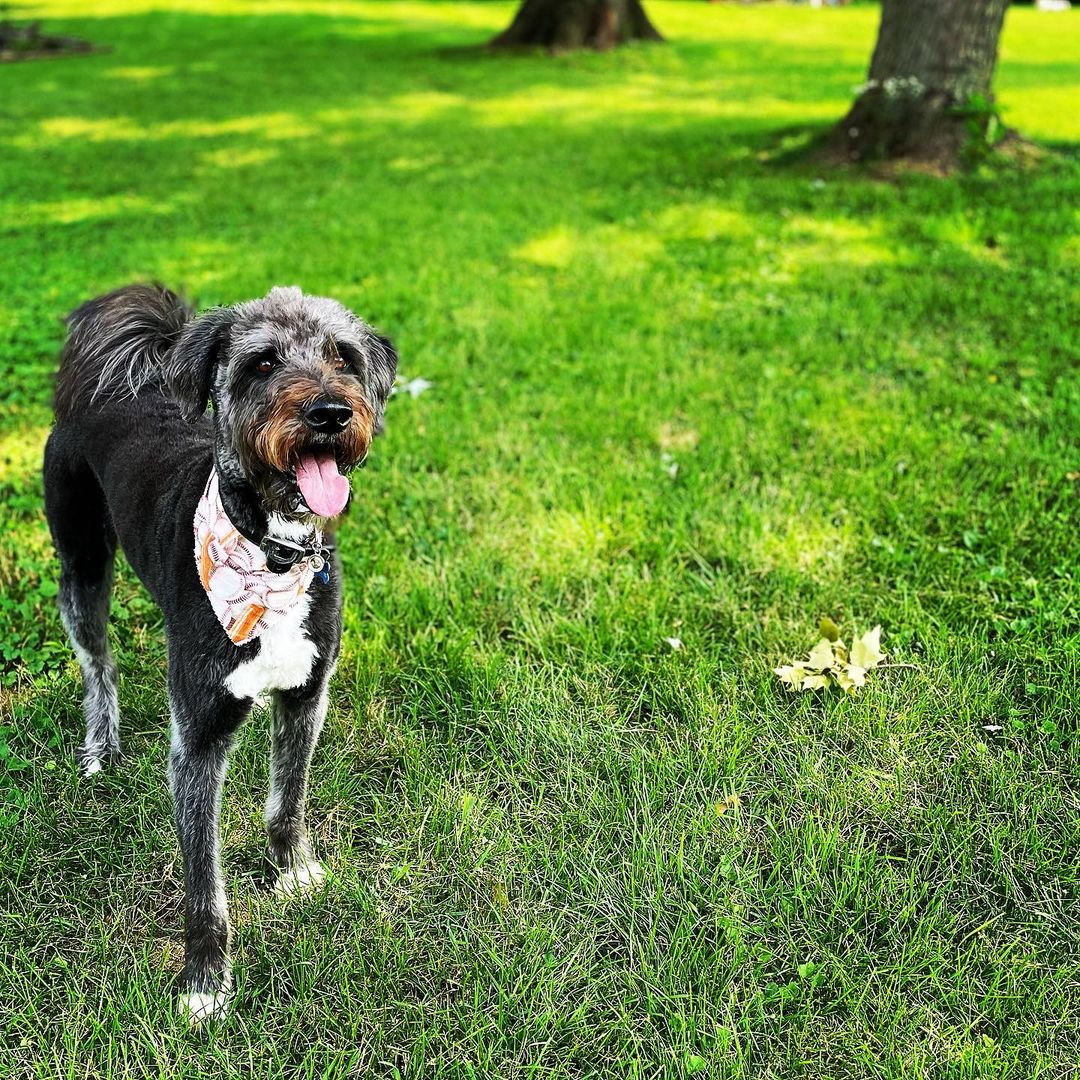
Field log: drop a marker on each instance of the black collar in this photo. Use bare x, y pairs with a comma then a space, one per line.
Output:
282, 555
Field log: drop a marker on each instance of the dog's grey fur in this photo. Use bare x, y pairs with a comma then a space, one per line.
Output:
128, 460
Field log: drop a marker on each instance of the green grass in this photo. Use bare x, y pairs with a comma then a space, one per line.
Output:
870, 392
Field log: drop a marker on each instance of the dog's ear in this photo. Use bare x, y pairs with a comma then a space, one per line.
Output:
191, 365
382, 370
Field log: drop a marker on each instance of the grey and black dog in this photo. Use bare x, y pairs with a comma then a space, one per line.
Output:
298, 386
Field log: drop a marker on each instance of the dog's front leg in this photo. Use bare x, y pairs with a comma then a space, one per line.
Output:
197, 763
298, 719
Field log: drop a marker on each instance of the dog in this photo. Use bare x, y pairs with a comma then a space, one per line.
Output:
223, 517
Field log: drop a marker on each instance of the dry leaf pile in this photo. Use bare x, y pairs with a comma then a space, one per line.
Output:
831, 663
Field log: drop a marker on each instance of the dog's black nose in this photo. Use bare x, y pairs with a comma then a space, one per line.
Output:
327, 417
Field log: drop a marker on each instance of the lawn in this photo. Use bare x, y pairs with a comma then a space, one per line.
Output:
685, 385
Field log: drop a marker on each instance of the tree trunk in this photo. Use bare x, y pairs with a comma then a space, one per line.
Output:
576, 24
929, 83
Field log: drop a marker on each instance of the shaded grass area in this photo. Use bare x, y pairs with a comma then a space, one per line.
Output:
525, 795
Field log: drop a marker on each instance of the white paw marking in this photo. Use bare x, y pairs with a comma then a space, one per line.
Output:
201, 1007
91, 766
300, 879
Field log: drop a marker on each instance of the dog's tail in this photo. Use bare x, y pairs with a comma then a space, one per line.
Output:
117, 343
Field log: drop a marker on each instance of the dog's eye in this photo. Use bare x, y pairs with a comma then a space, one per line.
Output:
340, 355
266, 361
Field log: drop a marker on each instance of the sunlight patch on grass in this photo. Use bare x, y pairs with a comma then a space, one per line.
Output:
615, 249
619, 249
784, 538
811, 241
806, 545
557, 542
576, 106
421, 105
278, 125
21, 452
86, 129
417, 164
237, 157
200, 265
70, 211
556, 248
476, 15
140, 74
700, 221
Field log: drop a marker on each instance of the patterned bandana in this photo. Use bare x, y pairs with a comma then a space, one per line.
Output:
246, 597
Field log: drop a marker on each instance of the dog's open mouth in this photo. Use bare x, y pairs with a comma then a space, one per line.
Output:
321, 483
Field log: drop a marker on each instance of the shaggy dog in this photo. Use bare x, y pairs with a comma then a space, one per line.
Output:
222, 518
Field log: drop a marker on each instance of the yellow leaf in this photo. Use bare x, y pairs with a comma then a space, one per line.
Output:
845, 681
866, 651
792, 674
821, 656
828, 629
856, 674
815, 682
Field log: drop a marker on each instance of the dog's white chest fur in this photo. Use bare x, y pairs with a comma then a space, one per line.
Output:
285, 658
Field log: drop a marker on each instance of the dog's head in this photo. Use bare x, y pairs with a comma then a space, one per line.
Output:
298, 385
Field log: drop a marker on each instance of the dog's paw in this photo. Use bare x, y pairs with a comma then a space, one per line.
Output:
303, 878
198, 1008
91, 762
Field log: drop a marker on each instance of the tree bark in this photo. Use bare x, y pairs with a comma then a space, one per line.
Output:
577, 24
932, 58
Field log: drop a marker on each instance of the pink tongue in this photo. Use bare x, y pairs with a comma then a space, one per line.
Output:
324, 489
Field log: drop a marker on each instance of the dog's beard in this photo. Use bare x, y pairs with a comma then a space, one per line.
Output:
293, 468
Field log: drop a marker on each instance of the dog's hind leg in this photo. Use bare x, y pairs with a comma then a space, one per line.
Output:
86, 543
298, 719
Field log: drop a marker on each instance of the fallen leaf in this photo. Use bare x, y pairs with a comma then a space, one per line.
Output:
674, 642
845, 681
792, 674
829, 662
866, 650
821, 656
850, 677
